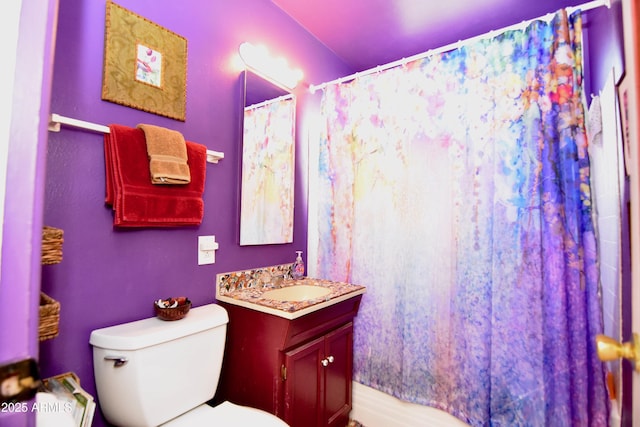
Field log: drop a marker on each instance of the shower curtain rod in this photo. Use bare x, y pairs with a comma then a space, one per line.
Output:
55, 120
269, 101
583, 7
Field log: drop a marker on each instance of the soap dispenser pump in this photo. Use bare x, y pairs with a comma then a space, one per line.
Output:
297, 270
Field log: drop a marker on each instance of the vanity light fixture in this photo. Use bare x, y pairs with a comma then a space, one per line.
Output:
276, 69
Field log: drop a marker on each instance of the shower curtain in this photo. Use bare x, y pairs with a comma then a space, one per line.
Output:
456, 188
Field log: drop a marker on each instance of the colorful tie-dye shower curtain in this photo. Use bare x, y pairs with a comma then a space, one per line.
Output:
456, 188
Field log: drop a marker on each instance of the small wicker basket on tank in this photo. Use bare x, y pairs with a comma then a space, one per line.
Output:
176, 313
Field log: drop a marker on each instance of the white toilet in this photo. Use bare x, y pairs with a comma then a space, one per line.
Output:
153, 372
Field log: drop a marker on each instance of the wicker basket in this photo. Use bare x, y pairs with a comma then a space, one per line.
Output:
49, 317
52, 239
173, 313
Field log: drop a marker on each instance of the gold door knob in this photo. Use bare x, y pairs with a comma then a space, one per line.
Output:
610, 349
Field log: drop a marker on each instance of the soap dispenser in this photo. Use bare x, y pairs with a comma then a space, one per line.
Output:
297, 270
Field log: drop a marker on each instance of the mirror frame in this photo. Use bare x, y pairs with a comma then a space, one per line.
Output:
268, 172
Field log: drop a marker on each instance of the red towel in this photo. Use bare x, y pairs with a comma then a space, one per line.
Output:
135, 200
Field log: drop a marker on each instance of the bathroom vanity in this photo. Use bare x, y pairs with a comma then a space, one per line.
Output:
298, 367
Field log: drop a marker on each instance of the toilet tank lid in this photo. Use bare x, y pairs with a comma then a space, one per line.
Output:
147, 332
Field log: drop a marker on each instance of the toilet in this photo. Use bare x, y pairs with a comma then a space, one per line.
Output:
153, 372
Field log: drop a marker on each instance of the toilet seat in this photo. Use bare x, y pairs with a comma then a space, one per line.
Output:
226, 414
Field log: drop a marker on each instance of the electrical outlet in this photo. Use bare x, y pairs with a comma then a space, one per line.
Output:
207, 247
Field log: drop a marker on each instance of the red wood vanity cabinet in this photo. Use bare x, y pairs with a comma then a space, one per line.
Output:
298, 369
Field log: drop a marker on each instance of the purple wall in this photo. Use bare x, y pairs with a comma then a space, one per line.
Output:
603, 38
111, 276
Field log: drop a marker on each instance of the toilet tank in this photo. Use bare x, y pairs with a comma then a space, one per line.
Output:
150, 371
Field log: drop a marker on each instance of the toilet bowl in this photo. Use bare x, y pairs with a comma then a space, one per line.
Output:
152, 372
226, 414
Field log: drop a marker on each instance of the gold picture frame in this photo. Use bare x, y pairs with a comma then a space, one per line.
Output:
145, 65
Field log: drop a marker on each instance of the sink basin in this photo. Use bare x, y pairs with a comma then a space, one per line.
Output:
297, 293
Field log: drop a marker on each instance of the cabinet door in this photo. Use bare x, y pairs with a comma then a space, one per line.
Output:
304, 386
338, 375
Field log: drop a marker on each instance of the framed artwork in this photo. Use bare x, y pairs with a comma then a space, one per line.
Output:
623, 102
145, 65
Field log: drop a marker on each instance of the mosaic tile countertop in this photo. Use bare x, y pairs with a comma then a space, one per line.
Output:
246, 288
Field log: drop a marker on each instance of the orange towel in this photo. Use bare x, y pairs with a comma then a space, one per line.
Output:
135, 200
167, 153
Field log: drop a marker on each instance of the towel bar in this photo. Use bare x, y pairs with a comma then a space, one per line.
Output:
56, 120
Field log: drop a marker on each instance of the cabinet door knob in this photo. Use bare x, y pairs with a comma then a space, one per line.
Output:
325, 362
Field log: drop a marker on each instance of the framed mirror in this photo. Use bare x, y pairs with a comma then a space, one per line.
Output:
268, 162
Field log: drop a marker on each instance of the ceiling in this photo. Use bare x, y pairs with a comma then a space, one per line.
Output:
368, 33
